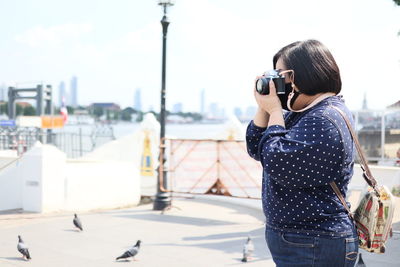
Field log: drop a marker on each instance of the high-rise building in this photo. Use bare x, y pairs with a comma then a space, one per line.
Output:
3, 92
250, 111
62, 94
176, 108
74, 92
364, 104
137, 101
238, 112
202, 101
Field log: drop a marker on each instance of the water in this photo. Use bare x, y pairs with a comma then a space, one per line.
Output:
77, 140
184, 131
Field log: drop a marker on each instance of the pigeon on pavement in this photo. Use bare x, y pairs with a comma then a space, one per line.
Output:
132, 252
360, 262
77, 222
23, 249
248, 250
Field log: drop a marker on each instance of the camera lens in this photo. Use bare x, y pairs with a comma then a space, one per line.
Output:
259, 85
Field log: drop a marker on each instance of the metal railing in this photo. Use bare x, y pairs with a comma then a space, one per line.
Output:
379, 133
74, 144
217, 167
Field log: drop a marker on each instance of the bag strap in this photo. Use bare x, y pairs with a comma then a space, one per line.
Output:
341, 198
364, 165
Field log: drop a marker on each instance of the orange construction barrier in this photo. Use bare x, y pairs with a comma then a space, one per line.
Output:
49, 122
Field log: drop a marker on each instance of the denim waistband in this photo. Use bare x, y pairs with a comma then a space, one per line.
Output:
352, 232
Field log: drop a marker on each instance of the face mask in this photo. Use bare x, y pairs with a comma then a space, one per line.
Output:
294, 94
284, 97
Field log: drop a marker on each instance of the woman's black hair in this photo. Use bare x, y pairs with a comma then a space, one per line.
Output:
315, 69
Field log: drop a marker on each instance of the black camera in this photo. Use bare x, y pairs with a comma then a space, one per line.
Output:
262, 84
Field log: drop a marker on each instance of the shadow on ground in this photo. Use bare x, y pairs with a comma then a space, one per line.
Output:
174, 219
13, 258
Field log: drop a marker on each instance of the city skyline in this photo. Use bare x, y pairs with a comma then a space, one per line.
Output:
116, 48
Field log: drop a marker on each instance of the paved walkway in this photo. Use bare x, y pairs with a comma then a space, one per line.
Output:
196, 232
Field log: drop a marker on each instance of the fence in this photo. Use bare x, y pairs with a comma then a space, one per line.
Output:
379, 134
74, 144
212, 167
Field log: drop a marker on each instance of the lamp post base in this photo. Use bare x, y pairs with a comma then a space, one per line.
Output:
162, 201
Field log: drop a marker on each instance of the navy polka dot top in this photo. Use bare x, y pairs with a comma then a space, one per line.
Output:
298, 162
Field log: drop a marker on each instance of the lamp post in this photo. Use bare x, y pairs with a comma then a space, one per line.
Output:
163, 199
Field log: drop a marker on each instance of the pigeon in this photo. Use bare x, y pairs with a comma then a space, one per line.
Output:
23, 249
360, 262
77, 222
132, 252
248, 249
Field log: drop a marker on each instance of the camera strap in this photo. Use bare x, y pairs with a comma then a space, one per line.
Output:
316, 101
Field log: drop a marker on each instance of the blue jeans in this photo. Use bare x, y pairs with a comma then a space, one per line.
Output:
291, 249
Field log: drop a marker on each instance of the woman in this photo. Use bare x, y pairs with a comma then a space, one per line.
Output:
301, 152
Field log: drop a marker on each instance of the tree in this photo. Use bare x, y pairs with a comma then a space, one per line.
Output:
139, 118
70, 110
29, 111
4, 108
19, 109
98, 111
126, 114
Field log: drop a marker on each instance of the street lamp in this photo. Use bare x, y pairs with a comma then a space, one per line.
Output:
163, 199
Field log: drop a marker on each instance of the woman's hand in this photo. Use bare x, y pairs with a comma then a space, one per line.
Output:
269, 103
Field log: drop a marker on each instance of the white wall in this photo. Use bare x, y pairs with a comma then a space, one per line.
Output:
10, 186
30, 171
101, 184
53, 176
42, 180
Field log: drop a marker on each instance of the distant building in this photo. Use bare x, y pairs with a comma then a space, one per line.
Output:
250, 112
74, 92
178, 107
364, 105
238, 112
215, 112
3, 92
202, 101
62, 94
23, 104
137, 101
105, 106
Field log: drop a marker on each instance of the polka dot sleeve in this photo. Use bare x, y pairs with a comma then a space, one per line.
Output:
308, 154
253, 137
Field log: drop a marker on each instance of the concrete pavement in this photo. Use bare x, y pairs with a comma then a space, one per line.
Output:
203, 231
192, 233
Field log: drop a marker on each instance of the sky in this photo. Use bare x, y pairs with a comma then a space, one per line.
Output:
114, 47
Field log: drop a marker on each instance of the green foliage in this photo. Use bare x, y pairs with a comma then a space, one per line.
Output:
29, 111
70, 110
98, 112
139, 118
194, 115
116, 115
19, 110
397, 2
4, 108
126, 114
